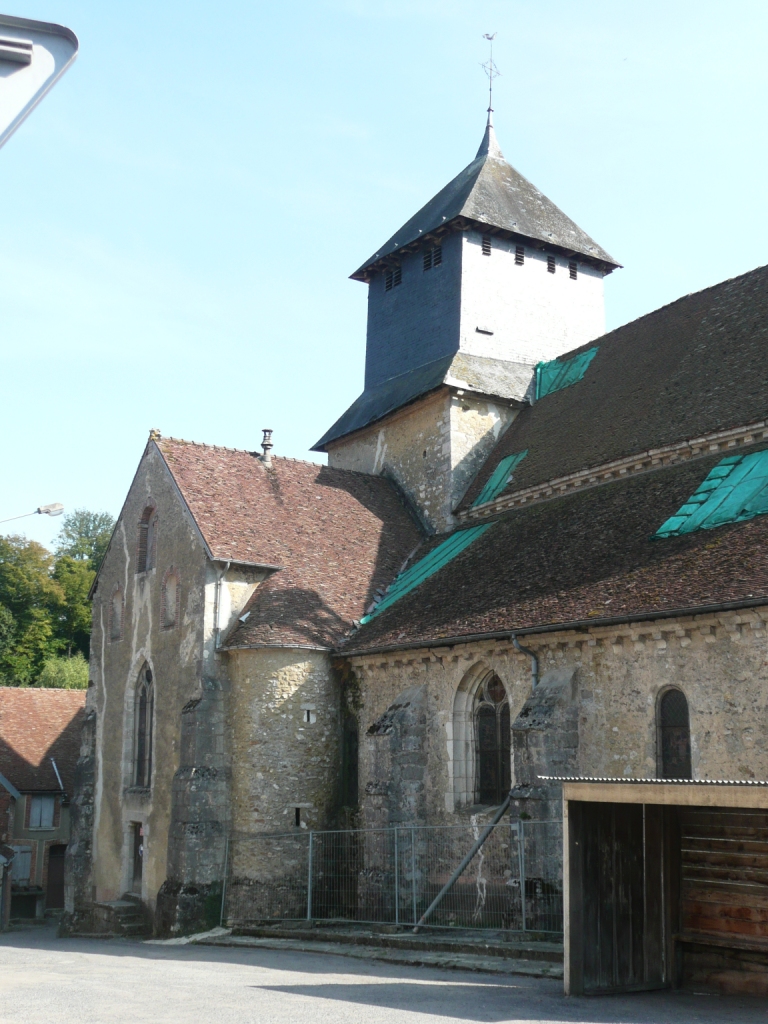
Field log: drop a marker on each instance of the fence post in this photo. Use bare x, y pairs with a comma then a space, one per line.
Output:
521, 854
397, 881
309, 880
413, 872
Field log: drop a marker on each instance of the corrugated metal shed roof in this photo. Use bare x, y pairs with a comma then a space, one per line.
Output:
491, 192
655, 782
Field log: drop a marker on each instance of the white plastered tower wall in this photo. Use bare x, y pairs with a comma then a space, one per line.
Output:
534, 315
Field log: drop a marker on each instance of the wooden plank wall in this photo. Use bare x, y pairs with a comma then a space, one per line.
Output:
724, 899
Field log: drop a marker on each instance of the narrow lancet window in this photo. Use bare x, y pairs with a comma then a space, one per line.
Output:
143, 729
170, 600
674, 736
492, 742
116, 615
145, 556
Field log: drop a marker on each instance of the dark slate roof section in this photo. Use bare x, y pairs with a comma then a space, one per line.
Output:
338, 536
35, 726
696, 366
384, 398
493, 377
581, 558
491, 192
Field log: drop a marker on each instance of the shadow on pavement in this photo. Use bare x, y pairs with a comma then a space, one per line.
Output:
461, 995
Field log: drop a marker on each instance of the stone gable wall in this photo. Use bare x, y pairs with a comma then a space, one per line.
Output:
176, 659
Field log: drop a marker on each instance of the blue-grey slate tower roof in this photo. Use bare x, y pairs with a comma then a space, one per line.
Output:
489, 191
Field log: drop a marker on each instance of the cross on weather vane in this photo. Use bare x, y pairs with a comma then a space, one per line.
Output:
491, 70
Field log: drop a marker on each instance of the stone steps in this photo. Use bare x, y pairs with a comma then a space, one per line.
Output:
122, 917
482, 959
388, 937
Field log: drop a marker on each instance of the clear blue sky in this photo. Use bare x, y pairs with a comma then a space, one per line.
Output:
181, 213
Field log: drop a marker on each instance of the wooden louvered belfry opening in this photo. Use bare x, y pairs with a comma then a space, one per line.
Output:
433, 257
393, 278
724, 895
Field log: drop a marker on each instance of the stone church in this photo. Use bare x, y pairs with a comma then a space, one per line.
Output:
538, 551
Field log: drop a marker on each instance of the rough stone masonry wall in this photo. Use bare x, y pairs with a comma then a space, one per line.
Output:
285, 745
190, 897
78, 866
175, 657
615, 677
432, 448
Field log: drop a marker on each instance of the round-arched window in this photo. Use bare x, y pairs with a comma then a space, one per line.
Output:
675, 736
492, 741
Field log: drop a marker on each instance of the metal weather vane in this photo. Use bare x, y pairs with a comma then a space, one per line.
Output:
491, 70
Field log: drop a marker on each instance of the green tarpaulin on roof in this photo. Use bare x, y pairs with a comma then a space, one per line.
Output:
735, 490
559, 374
500, 477
428, 566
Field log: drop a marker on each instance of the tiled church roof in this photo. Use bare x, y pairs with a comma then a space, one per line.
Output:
696, 366
336, 535
581, 558
35, 726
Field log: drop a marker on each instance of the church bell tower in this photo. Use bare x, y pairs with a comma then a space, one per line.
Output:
485, 281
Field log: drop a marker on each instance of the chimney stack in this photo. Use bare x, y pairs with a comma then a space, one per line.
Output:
266, 447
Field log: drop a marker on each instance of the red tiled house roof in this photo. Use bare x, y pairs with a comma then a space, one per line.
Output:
35, 726
337, 537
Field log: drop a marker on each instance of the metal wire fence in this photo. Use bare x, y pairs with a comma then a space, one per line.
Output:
392, 875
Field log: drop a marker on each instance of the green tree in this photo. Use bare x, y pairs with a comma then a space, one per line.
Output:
84, 536
33, 602
73, 621
66, 673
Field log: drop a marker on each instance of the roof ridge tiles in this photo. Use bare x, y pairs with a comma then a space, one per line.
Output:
240, 451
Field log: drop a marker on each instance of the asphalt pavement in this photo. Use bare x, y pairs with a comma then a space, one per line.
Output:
46, 980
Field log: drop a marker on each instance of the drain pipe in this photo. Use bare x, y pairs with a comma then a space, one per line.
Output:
217, 605
532, 655
463, 866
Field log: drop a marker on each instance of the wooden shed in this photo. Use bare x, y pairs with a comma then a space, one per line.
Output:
665, 884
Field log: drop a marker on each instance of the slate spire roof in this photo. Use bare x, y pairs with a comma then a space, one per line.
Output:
490, 192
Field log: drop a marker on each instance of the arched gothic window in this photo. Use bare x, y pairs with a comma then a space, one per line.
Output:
492, 741
145, 699
145, 556
116, 614
674, 736
170, 600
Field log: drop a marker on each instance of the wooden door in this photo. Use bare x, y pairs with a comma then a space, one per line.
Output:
616, 900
